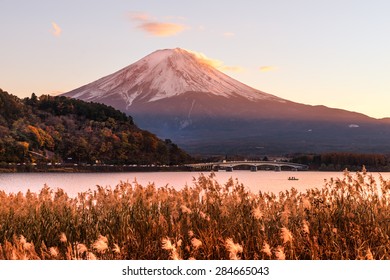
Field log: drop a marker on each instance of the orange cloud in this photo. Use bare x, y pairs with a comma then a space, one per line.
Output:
228, 34
215, 63
154, 27
139, 16
56, 30
162, 29
268, 68
204, 59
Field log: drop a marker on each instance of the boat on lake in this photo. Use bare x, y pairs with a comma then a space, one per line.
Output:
292, 179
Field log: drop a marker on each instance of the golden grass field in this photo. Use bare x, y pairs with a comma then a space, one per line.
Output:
347, 218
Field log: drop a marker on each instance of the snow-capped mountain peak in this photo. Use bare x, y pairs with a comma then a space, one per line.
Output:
167, 73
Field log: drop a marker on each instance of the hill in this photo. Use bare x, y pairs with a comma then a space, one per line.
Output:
61, 129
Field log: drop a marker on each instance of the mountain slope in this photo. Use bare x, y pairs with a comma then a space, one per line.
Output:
63, 129
178, 95
164, 74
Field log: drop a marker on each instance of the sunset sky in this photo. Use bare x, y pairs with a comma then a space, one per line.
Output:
328, 52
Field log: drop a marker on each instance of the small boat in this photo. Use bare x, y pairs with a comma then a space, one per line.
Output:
292, 179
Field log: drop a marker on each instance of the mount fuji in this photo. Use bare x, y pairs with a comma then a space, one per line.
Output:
177, 94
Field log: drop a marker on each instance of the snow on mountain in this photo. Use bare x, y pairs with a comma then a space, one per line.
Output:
167, 73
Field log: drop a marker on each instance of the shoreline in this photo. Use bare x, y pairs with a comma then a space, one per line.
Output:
150, 169
91, 169
106, 168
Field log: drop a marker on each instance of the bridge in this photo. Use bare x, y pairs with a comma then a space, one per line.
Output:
230, 165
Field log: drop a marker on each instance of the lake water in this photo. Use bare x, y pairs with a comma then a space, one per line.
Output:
73, 183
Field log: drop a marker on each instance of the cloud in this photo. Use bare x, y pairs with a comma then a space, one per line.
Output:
162, 29
206, 60
56, 30
155, 27
228, 34
218, 64
268, 68
139, 16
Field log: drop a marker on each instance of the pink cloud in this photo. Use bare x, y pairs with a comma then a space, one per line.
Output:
154, 27
161, 29
139, 16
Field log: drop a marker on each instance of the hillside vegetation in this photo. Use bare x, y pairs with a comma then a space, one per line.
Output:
60, 129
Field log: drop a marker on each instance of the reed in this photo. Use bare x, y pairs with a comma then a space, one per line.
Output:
347, 218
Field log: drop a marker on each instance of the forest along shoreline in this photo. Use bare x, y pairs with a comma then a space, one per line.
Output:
109, 168
87, 168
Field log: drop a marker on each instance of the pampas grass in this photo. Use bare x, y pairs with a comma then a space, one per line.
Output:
347, 218
234, 249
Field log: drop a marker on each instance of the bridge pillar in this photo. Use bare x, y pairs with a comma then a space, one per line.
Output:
278, 168
253, 168
229, 168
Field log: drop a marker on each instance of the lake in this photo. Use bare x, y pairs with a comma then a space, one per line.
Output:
73, 183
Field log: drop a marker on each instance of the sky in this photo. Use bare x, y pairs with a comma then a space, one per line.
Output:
325, 52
